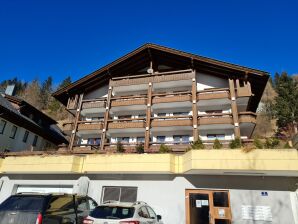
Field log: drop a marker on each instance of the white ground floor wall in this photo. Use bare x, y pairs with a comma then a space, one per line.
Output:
166, 193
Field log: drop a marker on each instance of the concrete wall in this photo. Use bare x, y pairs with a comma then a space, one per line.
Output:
166, 193
17, 143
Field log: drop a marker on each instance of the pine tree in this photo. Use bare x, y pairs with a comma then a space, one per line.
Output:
46, 91
32, 94
286, 106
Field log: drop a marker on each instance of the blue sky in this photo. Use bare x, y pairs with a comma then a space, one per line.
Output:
60, 38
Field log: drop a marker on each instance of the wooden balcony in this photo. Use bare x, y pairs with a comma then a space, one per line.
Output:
154, 78
214, 93
89, 126
243, 90
171, 121
171, 97
94, 103
215, 118
247, 117
68, 127
127, 123
128, 100
72, 103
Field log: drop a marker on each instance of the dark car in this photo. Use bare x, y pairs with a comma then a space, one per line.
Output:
45, 209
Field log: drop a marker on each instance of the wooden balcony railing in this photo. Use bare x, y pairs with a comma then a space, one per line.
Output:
90, 125
215, 118
128, 100
213, 93
247, 117
243, 90
154, 78
171, 97
94, 103
167, 121
127, 123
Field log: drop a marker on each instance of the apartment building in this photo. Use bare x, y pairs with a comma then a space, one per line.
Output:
24, 128
157, 95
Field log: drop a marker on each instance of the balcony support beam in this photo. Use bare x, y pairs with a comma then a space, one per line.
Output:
106, 117
76, 119
194, 108
148, 117
234, 108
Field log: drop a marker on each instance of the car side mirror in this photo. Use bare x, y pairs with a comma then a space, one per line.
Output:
158, 217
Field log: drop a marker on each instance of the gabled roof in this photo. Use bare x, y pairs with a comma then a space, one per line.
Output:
10, 113
138, 59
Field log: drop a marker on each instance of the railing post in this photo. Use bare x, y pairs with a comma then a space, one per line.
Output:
106, 116
234, 108
148, 116
194, 108
77, 117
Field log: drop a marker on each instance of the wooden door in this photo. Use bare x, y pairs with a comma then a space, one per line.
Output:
207, 207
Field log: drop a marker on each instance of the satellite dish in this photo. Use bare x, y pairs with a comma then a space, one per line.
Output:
150, 70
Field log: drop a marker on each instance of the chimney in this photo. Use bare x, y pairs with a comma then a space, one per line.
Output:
10, 90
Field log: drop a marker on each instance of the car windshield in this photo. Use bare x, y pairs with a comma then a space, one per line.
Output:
112, 212
24, 203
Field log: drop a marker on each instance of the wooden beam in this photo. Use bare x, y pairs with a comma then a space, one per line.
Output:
234, 108
148, 117
194, 109
76, 119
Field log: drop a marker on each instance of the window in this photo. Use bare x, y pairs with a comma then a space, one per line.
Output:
123, 139
161, 139
93, 141
117, 212
13, 131
92, 204
140, 139
122, 194
2, 126
181, 138
180, 113
215, 136
97, 118
142, 115
143, 212
35, 140
124, 117
151, 213
25, 136
213, 111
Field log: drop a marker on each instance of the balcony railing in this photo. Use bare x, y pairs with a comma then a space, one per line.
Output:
94, 103
171, 97
215, 118
166, 121
247, 117
126, 123
90, 125
213, 93
67, 127
243, 90
128, 100
154, 78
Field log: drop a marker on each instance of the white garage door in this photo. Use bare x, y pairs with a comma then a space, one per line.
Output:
44, 189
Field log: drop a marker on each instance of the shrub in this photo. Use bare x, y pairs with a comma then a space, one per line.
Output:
287, 146
164, 148
140, 148
217, 144
120, 148
235, 143
258, 144
197, 144
271, 143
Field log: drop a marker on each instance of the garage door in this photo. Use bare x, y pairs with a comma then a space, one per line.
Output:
44, 189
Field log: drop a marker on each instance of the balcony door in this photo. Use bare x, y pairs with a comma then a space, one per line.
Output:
207, 207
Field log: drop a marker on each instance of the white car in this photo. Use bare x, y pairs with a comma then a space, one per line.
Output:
123, 213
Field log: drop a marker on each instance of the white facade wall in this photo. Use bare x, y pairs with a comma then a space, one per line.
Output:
97, 93
17, 144
166, 195
205, 81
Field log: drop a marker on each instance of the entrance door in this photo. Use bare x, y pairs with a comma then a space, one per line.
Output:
207, 207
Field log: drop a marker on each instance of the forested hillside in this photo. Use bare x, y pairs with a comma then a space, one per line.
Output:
39, 93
